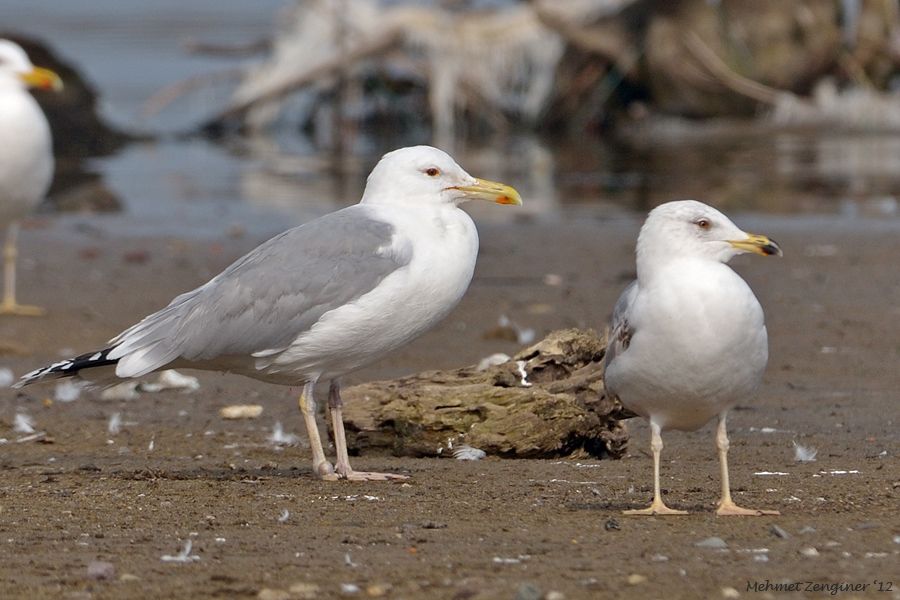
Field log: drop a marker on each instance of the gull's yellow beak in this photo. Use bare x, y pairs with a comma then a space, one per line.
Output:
492, 191
42, 79
759, 244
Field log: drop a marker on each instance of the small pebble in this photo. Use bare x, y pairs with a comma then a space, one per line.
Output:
659, 558
553, 280
730, 592
809, 551
779, 532
241, 411
122, 391
304, 591
528, 591
555, 595
270, 594
712, 542
636, 579
101, 570
128, 577
170, 379
897, 539
349, 588
611, 525
377, 590
807, 529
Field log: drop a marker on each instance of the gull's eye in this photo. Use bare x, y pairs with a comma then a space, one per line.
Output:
703, 224
432, 171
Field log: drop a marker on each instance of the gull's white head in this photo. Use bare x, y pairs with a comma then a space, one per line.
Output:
422, 175
17, 71
691, 229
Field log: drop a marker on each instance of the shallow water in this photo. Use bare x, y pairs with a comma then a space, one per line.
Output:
176, 186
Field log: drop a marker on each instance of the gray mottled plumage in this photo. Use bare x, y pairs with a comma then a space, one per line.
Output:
620, 330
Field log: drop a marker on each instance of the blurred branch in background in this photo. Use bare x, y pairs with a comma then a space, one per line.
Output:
169, 94
242, 50
566, 67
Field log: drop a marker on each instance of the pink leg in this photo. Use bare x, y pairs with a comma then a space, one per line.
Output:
321, 467
342, 466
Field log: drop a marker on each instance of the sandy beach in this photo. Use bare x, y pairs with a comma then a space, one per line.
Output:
260, 525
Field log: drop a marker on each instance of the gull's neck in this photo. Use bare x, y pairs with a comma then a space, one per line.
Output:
651, 264
11, 83
420, 203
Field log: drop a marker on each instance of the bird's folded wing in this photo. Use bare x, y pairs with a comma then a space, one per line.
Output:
620, 328
262, 302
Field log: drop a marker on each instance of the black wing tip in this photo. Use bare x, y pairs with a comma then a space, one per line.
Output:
67, 368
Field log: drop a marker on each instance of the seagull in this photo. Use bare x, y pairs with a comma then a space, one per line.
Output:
26, 156
688, 339
322, 299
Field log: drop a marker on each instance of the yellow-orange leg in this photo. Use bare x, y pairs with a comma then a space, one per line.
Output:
9, 306
726, 504
657, 507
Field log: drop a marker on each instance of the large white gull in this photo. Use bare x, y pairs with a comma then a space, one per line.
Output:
322, 299
26, 156
688, 340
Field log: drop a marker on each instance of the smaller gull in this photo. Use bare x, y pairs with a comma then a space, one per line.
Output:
688, 340
26, 157
322, 299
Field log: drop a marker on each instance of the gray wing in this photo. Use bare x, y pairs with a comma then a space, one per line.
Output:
620, 331
263, 301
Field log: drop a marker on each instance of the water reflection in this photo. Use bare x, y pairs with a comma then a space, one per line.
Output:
213, 185
198, 187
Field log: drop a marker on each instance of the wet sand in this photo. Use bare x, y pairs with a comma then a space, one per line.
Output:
489, 529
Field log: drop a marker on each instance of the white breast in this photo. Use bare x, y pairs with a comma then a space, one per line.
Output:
717, 349
26, 154
406, 303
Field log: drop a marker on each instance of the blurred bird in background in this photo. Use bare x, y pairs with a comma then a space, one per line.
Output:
26, 157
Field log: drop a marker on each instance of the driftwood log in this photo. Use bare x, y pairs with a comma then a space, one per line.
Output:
547, 401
